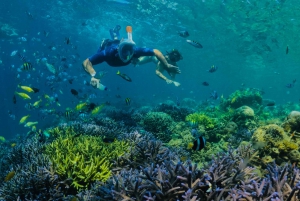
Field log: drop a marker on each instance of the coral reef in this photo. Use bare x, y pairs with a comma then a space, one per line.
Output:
34, 178
273, 141
249, 96
292, 122
159, 123
201, 120
84, 159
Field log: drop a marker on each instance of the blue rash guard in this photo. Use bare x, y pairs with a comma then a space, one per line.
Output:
110, 55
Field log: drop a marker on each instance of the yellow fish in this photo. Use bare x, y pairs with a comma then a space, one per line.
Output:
29, 124
13, 145
46, 96
80, 106
97, 109
28, 89
33, 128
23, 119
23, 95
9, 176
37, 103
2, 139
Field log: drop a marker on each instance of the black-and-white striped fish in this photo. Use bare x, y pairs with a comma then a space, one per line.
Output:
194, 43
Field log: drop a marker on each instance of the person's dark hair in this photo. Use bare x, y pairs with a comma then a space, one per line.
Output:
174, 55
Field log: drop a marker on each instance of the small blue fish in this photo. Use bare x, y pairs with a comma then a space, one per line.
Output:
194, 43
214, 95
119, 1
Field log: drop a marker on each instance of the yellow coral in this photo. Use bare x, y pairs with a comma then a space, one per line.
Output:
84, 159
201, 119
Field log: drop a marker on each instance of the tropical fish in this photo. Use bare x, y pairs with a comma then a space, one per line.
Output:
127, 101
205, 84
14, 99
198, 144
27, 66
29, 124
23, 119
124, 76
23, 95
74, 92
46, 96
68, 114
67, 40
183, 34
33, 128
97, 109
36, 104
13, 53
194, 43
13, 145
9, 176
25, 88
213, 69
80, 106
287, 50
51, 68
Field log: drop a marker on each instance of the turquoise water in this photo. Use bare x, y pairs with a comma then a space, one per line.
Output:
247, 40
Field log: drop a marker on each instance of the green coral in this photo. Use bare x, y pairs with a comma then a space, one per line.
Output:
204, 156
159, 123
251, 97
84, 159
201, 120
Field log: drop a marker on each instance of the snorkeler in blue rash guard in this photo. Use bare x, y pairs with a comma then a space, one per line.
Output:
118, 53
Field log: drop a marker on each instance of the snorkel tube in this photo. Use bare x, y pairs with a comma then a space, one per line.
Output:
129, 33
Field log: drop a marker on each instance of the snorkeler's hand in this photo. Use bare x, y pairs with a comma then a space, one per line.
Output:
169, 81
177, 84
135, 62
174, 69
95, 82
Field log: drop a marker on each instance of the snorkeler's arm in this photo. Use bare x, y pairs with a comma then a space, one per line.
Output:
160, 57
88, 67
163, 61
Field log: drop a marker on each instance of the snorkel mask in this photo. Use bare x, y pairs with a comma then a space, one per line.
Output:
126, 46
174, 55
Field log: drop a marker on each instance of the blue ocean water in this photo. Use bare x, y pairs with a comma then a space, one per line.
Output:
247, 40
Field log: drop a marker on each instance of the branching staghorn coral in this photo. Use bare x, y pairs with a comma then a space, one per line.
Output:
34, 178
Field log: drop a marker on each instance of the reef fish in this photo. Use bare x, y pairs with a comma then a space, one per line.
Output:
27, 66
194, 43
9, 176
51, 68
97, 109
127, 101
124, 76
29, 124
183, 34
198, 144
23, 95
23, 119
25, 88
